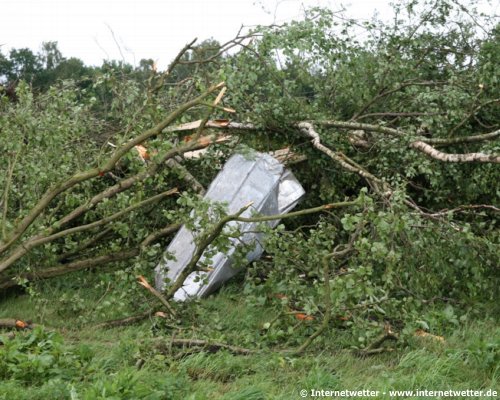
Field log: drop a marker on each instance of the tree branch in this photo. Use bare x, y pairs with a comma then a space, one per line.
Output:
454, 158
210, 236
205, 241
399, 114
164, 344
172, 65
466, 139
473, 112
465, 208
125, 321
144, 283
391, 91
361, 126
62, 186
5, 198
78, 265
16, 324
35, 242
85, 245
308, 129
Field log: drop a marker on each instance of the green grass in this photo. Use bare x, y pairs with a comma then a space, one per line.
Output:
104, 362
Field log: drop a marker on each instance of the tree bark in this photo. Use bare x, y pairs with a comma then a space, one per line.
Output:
454, 158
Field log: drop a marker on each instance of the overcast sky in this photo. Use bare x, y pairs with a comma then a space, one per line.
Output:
154, 29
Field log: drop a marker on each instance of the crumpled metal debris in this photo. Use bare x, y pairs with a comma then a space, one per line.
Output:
258, 178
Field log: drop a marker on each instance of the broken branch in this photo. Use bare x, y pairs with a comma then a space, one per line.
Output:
454, 158
144, 283
164, 344
12, 323
124, 321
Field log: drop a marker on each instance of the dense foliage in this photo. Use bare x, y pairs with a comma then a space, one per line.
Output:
423, 241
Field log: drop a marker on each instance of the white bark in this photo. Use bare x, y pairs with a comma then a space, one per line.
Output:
456, 158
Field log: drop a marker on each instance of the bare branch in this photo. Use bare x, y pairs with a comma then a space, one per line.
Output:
466, 139
308, 129
172, 65
237, 41
386, 93
399, 114
164, 344
454, 158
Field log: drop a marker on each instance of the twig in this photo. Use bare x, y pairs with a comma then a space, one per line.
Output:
164, 344
375, 346
396, 89
84, 245
116, 42
125, 321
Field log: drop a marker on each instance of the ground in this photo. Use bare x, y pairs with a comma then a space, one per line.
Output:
120, 363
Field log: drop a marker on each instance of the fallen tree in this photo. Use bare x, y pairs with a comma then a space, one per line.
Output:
99, 178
